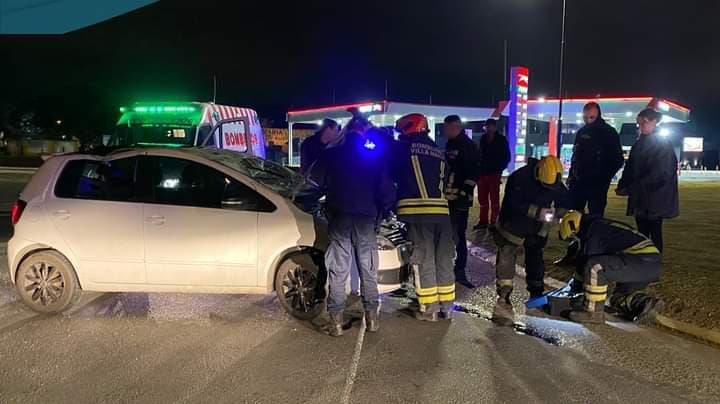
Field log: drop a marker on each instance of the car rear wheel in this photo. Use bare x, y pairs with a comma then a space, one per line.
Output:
47, 283
299, 286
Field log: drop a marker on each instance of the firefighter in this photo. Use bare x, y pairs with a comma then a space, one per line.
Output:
462, 159
359, 193
534, 196
418, 171
611, 251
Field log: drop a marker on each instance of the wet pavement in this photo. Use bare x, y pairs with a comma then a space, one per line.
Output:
133, 347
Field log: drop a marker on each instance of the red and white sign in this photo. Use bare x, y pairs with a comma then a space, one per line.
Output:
234, 136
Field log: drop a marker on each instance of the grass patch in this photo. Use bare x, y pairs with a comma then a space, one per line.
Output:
691, 271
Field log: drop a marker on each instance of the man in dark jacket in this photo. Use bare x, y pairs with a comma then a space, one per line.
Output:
534, 197
650, 179
418, 170
359, 193
596, 159
461, 155
494, 159
611, 251
311, 147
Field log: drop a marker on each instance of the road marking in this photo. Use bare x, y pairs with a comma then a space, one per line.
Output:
350, 380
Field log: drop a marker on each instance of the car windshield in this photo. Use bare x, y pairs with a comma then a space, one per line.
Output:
280, 179
154, 134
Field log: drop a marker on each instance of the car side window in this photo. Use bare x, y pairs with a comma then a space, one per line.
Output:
179, 182
98, 180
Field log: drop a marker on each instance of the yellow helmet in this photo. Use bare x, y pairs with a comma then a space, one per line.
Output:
570, 224
549, 170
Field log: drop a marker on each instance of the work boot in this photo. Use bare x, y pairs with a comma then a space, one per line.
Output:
504, 293
336, 323
372, 321
503, 313
427, 316
649, 309
589, 316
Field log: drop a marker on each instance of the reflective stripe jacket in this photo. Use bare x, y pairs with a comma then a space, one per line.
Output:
462, 158
418, 168
600, 236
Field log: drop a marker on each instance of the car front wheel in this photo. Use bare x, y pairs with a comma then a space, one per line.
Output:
300, 287
47, 283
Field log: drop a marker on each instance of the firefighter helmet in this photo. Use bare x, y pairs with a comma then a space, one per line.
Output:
412, 123
570, 224
549, 171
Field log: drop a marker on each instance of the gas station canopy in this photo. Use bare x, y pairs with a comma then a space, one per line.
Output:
615, 110
381, 113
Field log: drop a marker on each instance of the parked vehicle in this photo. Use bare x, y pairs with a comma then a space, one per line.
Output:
196, 220
173, 124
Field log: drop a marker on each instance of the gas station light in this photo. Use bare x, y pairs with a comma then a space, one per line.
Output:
432, 118
578, 114
463, 120
541, 115
664, 132
663, 106
396, 116
628, 114
319, 122
541, 99
579, 121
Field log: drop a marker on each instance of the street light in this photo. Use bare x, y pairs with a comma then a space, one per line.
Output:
562, 69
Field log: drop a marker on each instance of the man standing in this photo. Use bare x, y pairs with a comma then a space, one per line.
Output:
461, 155
359, 193
494, 159
419, 170
311, 148
597, 157
534, 197
650, 179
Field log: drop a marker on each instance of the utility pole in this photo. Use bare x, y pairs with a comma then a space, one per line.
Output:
214, 88
560, 91
386, 89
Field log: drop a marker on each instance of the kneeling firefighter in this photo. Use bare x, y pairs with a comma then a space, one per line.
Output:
611, 251
534, 197
419, 171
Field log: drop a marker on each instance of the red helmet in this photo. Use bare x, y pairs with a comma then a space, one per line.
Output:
412, 123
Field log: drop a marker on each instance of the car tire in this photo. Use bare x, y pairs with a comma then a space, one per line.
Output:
46, 282
296, 285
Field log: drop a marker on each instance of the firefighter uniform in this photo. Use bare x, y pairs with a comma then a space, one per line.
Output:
531, 193
611, 252
419, 171
462, 159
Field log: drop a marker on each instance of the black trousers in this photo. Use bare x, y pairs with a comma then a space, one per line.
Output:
432, 264
651, 228
590, 194
534, 265
459, 220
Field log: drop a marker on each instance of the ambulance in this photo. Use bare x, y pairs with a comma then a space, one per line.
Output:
182, 124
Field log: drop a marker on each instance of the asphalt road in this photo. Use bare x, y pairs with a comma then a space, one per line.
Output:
159, 348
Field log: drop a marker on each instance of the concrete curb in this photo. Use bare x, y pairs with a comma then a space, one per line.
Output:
679, 326
704, 334
18, 170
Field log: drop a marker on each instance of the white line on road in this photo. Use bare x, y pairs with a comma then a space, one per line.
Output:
350, 380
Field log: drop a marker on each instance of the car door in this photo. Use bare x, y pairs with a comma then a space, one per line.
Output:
200, 225
94, 208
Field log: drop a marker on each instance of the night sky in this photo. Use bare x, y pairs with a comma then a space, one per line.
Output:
272, 55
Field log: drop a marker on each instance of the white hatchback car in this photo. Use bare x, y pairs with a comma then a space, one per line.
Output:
175, 220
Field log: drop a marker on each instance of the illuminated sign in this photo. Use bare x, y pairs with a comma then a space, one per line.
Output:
693, 144
370, 108
234, 136
517, 116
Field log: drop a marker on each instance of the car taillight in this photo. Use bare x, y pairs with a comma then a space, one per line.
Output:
17, 211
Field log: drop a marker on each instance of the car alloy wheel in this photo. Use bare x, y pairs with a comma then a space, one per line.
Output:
297, 285
44, 283
47, 283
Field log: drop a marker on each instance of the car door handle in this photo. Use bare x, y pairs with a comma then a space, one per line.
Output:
156, 219
62, 214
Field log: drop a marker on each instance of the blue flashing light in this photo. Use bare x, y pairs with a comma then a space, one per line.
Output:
369, 145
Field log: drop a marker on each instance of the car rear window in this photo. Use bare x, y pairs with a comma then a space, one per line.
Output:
98, 180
